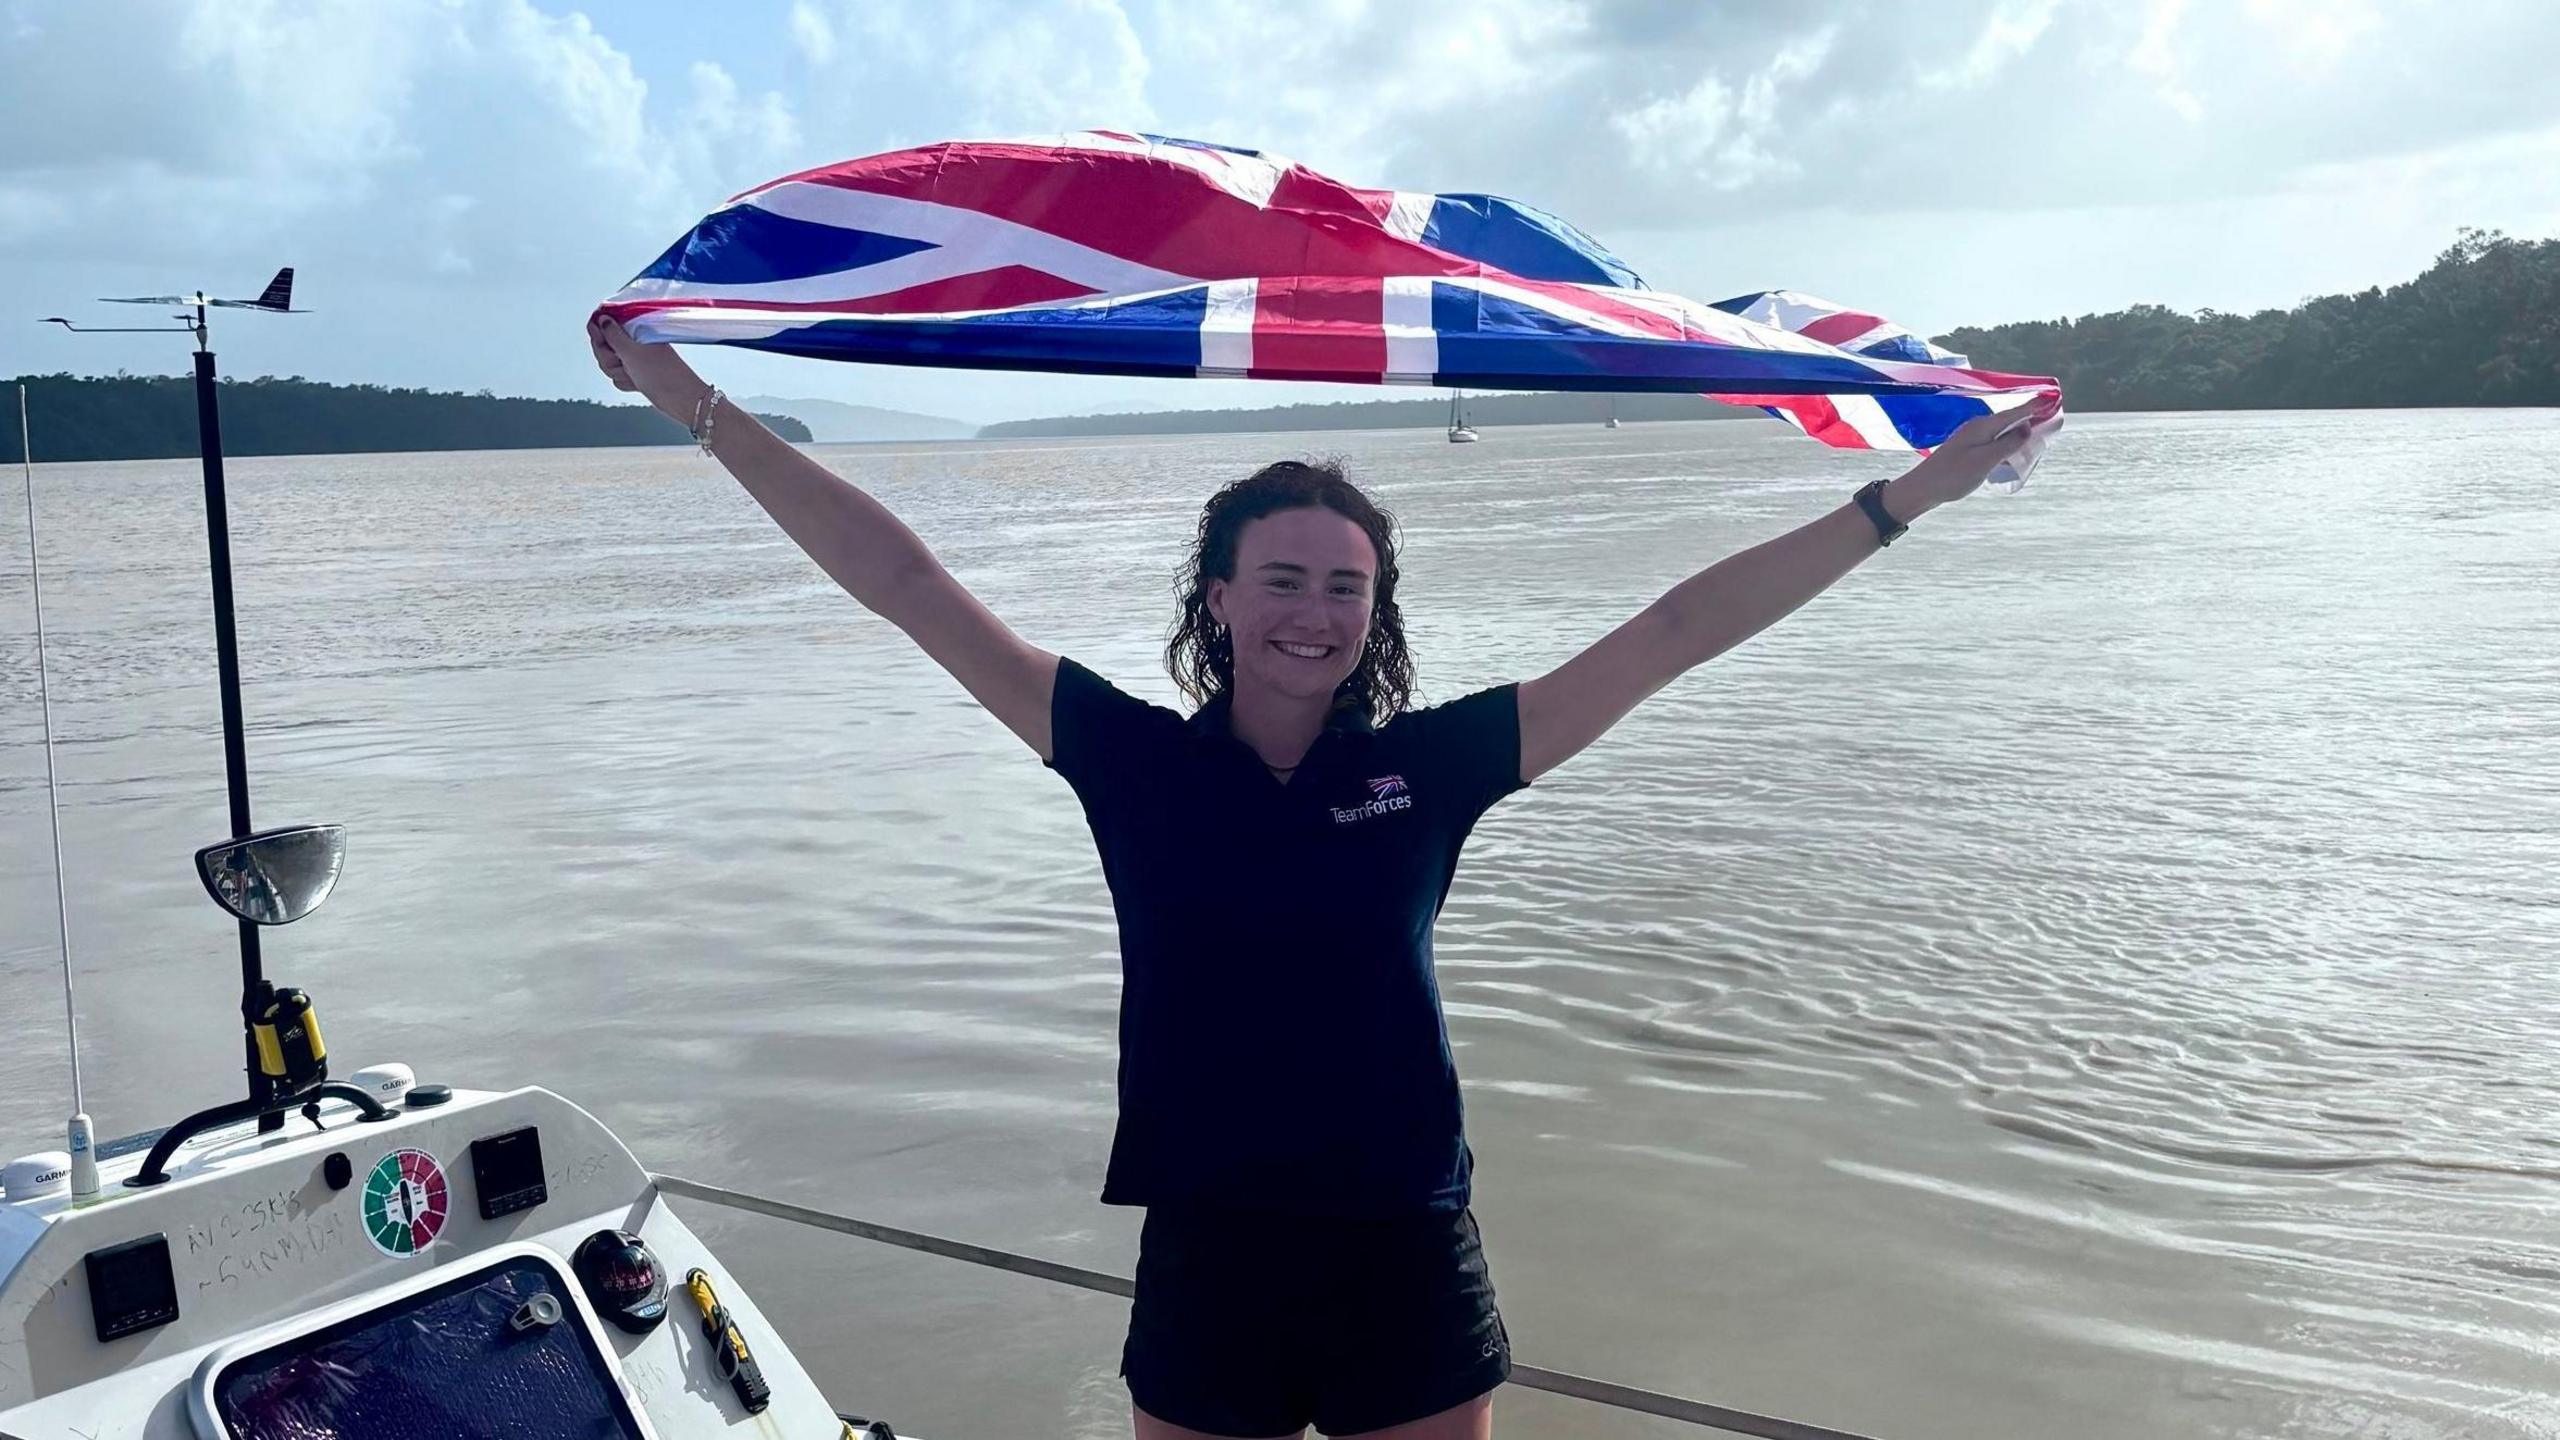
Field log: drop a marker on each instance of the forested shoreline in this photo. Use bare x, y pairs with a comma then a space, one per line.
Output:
145, 417
2481, 326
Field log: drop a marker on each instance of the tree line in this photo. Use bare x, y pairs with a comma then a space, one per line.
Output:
2481, 326
144, 417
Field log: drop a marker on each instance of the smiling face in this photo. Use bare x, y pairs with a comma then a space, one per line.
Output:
1291, 588
1298, 605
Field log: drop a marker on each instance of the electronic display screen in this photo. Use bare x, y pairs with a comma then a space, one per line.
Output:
131, 1287
507, 1169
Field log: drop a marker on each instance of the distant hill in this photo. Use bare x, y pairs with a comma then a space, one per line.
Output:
833, 422
1482, 411
149, 417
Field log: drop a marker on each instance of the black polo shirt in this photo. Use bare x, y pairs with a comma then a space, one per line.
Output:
1281, 1041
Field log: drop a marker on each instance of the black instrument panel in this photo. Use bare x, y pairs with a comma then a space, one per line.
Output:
131, 1287
507, 1171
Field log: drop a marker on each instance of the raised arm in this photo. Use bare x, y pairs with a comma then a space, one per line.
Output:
854, 538
1742, 595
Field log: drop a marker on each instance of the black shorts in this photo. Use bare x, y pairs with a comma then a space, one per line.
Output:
1251, 1324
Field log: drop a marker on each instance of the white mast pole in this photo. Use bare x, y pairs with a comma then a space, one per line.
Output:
84, 1159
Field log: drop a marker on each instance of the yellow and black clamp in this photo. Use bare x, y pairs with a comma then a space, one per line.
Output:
287, 1032
730, 1358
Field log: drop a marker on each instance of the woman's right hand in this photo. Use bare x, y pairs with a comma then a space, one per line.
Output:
656, 372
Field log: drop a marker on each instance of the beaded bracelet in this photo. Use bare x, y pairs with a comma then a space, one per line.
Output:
703, 414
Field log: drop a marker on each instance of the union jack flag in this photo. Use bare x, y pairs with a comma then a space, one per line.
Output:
1386, 785
1113, 252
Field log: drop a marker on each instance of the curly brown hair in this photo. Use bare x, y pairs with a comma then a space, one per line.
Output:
1199, 652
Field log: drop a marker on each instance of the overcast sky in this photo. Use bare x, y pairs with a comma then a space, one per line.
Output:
458, 181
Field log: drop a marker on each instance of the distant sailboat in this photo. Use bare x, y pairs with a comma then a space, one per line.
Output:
1460, 432
1612, 422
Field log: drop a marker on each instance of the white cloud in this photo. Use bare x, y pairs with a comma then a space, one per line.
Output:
1719, 134
444, 136
2156, 56
812, 32
1347, 85
2315, 36
472, 173
720, 125
904, 74
2006, 37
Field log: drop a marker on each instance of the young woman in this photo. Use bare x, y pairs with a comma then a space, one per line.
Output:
1289, 1115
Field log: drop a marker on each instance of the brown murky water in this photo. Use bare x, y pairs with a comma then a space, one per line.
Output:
2092, 975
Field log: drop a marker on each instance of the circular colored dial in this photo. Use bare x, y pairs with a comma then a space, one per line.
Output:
405, 1202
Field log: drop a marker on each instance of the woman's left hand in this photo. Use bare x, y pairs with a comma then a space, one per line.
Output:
1965, 459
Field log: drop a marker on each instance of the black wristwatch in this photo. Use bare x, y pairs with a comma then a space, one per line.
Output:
1871, 500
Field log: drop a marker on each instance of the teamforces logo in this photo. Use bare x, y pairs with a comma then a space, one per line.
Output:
1386, 792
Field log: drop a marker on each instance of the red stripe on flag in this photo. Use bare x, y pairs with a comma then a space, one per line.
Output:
1841, 328
1377, 202
1308, 328
1820, 418
1303, 189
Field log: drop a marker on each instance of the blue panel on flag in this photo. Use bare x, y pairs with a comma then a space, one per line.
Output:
746, 245
1901, 347
1927, 420
1152, 335
1531, 244
1197, 144
1488, 341
1453, 310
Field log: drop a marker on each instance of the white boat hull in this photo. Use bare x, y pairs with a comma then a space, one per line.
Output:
258, 1242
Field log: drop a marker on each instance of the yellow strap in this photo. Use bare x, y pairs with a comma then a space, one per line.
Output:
270, 1051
